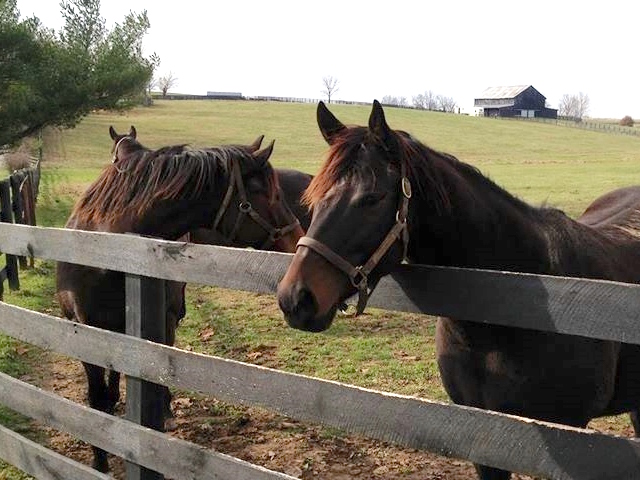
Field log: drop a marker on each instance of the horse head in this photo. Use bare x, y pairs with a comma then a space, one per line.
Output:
123, 143
254, 211
358, 230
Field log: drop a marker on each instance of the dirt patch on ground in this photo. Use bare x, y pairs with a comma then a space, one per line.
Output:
302, 450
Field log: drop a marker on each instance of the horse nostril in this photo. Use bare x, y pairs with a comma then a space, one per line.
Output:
306, 302
299, 306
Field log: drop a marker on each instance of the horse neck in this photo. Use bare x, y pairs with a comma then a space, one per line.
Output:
172, 219
483, 226
167, 217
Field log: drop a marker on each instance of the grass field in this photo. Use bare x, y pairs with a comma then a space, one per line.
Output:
561, 166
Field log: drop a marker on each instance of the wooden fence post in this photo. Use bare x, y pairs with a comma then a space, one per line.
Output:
16, 180
145, 318
29, 203
6, 216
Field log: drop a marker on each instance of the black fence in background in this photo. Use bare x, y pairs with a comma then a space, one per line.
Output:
18, 196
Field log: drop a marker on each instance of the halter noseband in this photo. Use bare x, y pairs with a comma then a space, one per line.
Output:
246, 209
359, 275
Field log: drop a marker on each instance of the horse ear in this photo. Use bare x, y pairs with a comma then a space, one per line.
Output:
112, 132
378, 126
256, 144
132, 132
262, 156
329, 125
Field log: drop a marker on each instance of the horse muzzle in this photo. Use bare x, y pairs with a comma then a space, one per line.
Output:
300, 309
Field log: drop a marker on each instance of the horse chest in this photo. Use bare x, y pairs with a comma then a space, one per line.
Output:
536, 374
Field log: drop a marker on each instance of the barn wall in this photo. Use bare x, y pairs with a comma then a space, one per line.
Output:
530, 99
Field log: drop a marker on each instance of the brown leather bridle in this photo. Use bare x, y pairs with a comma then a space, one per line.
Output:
245, 209
115, 158
358, 275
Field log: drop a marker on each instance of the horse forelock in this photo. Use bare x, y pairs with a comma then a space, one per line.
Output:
170, 173
337, 162
340, 164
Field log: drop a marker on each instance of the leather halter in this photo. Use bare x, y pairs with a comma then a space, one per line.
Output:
114, 159
246, 209
358, 275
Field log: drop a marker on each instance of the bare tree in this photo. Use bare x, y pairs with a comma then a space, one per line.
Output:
426, 101
446, 104
330, 86
418, 101
166, 82
574, 106
395, 101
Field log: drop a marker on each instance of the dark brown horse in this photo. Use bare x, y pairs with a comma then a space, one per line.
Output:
456, 216
292, 183
166, 193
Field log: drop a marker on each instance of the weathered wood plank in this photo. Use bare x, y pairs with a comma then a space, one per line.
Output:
175, 458
145, 318
41, 462
508, 442
593, 308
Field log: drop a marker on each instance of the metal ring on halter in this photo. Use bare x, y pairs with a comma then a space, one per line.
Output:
359, 278
245, 207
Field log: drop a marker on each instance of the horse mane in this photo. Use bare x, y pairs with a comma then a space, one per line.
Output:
137, 182
431, 172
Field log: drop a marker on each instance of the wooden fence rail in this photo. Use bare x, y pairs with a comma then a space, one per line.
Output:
584, 307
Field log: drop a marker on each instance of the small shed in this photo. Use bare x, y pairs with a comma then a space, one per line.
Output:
514, 101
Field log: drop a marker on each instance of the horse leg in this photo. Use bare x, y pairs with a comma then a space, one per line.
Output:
97, 396
176, 310
635, 421
490, 473
113, 390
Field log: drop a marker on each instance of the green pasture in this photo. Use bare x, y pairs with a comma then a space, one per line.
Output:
541, 163
564, 167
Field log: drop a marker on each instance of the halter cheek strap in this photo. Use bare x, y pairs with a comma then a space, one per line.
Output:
246, 209
358, 275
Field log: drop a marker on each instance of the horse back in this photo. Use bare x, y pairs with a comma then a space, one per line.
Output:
619, 207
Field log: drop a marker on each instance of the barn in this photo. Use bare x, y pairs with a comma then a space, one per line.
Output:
514, 101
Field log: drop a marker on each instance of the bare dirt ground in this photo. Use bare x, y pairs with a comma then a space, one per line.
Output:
302, 450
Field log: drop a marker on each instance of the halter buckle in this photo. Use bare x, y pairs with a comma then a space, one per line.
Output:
406, 187
244, 207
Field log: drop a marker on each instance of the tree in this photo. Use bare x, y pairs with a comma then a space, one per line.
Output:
574, 106
395, 101
426, 101
627, 121
166, 82
56, 79
446, 104
330, 86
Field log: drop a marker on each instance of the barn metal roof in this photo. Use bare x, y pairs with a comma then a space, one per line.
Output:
502, 92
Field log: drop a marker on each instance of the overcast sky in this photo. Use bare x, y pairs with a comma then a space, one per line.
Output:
455, 48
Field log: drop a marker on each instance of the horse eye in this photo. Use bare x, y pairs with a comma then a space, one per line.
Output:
254, 185
370, 199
